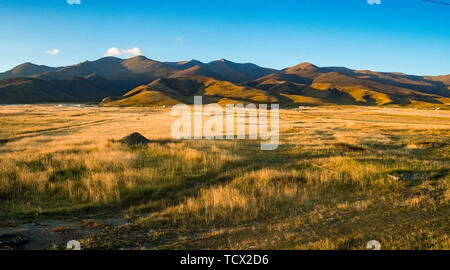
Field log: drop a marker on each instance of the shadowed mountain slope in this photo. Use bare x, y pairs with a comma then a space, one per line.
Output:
223, 70
164, 83
31, 90
123, 74
182, 90
199, 71
26, 70
307, 84
237, 73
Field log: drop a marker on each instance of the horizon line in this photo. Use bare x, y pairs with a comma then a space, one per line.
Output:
225, 59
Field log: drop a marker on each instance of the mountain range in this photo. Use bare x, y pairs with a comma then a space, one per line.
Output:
140, 81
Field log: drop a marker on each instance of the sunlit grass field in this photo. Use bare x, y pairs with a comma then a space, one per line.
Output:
340, 177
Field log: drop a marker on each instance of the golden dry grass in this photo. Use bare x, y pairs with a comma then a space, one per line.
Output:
341, 176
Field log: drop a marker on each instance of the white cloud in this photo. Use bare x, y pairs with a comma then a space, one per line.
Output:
76, 2
53, 52
179, 40
133, 51
114, 51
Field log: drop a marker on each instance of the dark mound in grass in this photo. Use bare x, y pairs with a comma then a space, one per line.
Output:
349, 148
134, 139
13, 240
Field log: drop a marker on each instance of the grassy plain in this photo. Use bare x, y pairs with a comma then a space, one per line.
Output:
341, 176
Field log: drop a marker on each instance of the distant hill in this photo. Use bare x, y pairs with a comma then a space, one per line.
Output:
223, 70
182, 90
140, 81
237, 73
182, 65
197, 70
444, 79
31, 90
307, 84
26, 70
122, 74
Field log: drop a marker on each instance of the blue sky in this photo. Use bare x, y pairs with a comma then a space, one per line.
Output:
411, 36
